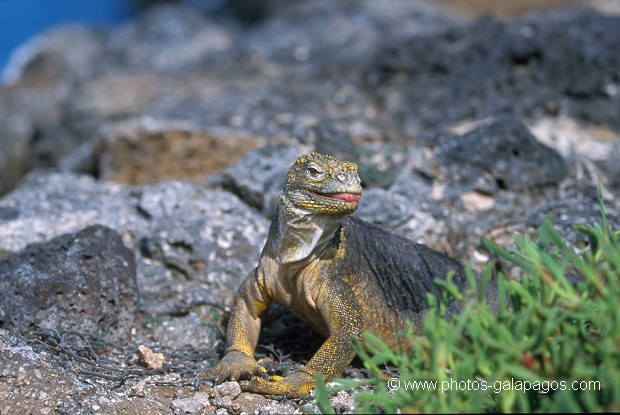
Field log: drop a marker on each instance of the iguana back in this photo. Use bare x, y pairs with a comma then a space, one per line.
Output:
397, 268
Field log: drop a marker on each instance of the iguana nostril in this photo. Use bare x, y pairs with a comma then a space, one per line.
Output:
342, 177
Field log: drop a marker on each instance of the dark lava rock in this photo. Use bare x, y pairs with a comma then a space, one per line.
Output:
559, 62
84, 281
502, 154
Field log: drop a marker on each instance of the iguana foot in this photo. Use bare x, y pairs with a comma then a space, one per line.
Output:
235, 365
293, 386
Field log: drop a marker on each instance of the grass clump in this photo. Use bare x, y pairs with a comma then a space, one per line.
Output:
552, 344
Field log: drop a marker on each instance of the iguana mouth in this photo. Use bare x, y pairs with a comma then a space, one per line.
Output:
346, 197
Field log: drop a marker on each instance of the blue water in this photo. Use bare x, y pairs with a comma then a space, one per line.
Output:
22, 19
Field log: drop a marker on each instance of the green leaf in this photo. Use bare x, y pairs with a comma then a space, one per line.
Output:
322, 396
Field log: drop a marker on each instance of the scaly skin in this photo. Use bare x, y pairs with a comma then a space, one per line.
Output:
338, 273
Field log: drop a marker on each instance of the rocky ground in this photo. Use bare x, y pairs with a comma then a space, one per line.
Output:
141, 164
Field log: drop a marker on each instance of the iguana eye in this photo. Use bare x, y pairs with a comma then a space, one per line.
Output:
314, 171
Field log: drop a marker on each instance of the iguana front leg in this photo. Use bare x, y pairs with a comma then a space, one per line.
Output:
343, 316
242, 332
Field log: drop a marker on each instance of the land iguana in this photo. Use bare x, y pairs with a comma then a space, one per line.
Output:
339, 273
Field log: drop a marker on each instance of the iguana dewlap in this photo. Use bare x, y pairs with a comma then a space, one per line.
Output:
342, 275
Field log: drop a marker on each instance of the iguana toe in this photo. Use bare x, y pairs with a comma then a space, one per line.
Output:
236, 365
292, 386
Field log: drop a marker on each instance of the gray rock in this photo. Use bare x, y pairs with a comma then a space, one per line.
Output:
47, 204
194, 405
258, 177
192, 245
171, 38
250, 402
34, 380
500, 155
226, 402
275, 408
84, 281
231, 389
406, 216
45, 57
574, 205
343, 402
485, 183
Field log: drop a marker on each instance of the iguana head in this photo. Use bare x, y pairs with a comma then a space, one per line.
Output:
320, 183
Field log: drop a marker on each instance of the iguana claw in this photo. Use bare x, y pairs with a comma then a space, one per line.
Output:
236, 365
293, 386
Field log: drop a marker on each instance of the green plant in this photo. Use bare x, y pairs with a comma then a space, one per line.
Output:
553, 345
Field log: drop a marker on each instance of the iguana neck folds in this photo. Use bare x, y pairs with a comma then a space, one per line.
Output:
302, 234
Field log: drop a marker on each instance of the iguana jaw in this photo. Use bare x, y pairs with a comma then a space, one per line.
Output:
345, 197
